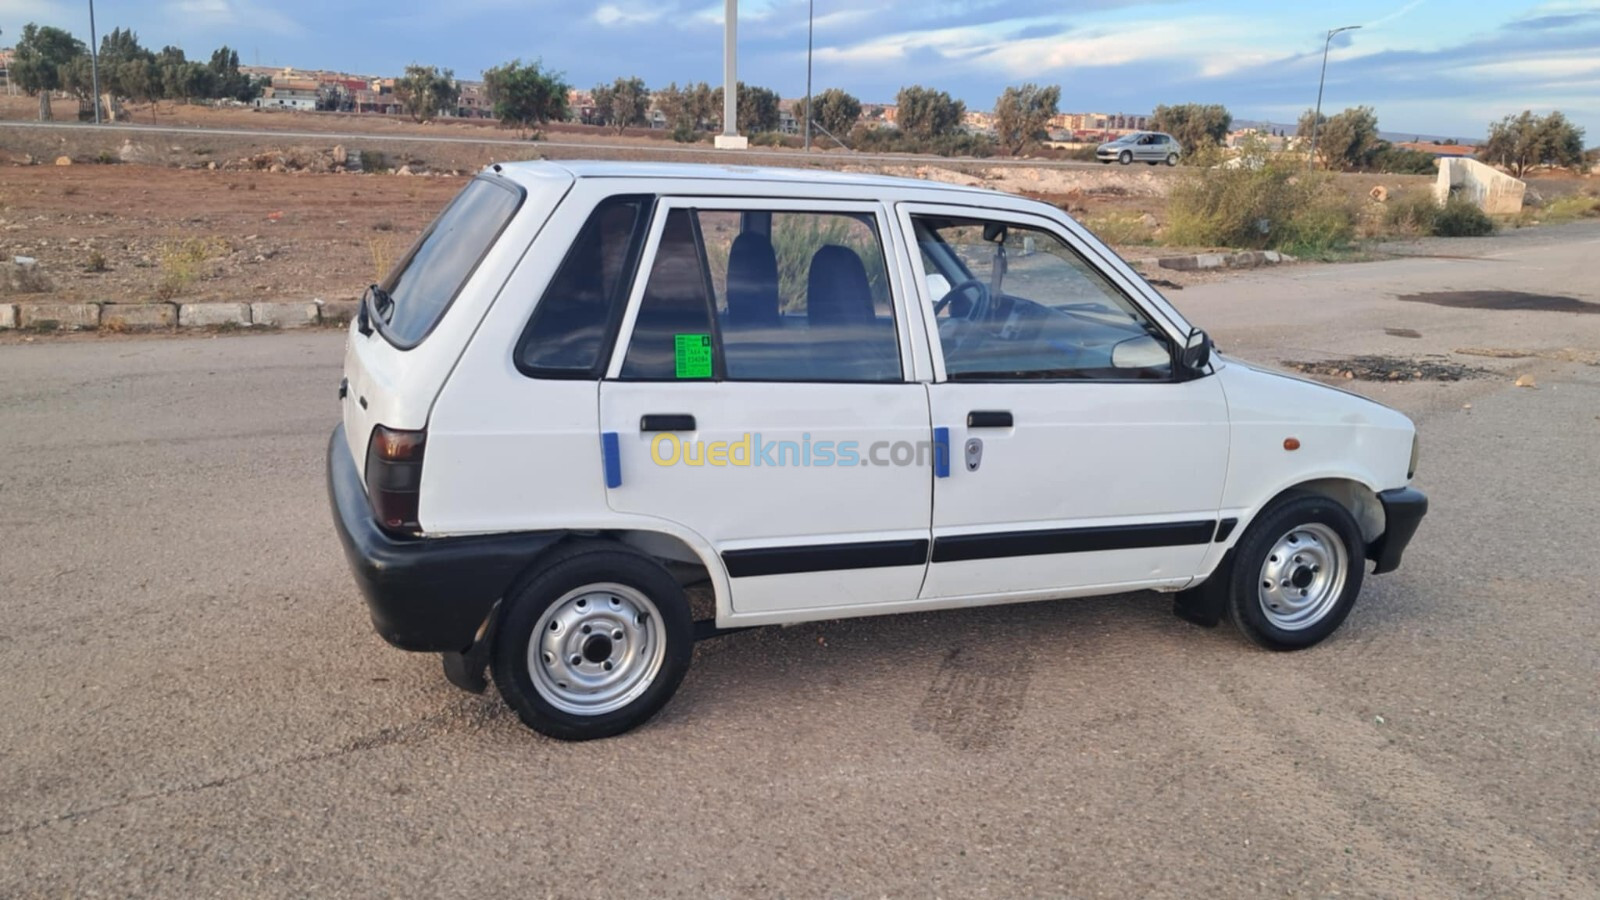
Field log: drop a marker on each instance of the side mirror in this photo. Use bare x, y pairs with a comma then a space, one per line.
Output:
1196, 355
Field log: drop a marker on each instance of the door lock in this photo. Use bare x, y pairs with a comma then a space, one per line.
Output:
974, 453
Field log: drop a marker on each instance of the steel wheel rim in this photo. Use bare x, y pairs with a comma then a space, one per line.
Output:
1302, 577
596, 649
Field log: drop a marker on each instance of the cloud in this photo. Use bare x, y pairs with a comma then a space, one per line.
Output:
609, 15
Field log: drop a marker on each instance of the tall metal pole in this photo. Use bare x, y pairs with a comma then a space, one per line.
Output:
94, 63
1316, 117
730, 69
811, 15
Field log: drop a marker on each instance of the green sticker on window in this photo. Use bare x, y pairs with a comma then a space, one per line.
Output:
693, 355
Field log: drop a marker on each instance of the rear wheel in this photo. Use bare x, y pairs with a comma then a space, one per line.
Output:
593, 644
1297, 571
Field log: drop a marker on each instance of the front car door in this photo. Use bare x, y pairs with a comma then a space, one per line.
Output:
1079, 463
761, 394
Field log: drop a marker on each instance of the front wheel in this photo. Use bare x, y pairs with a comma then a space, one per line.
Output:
1126, 158
1297, 571
594, 644
1172, 159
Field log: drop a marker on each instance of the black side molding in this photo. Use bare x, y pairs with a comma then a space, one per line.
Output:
1403, 509
998, 545
824, 557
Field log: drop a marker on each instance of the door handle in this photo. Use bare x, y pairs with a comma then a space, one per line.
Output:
989, 418
666, 422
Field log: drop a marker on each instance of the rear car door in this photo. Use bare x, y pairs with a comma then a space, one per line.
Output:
1079, 462
759, 396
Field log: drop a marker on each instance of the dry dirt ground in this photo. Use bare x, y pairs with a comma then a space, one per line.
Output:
142, 216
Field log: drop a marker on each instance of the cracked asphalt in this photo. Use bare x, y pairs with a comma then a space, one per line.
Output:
195, 704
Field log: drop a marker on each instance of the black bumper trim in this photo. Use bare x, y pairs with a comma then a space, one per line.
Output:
1403, 509
425, 594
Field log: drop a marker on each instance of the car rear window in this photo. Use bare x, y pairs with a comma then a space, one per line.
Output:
421, 288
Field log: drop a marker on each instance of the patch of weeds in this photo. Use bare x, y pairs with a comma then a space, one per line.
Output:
382, 252
1570, 209
374, 161
106, 158
43, 326
182, 262
383, 225
1417, 212
96, 262
201, 151
1262, 202
1462, 218
1388, 368
70, 190
16, 279
1123, 229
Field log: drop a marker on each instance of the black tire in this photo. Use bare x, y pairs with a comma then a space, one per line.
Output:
1126, 158
1249, 609
568, 570
1172, 159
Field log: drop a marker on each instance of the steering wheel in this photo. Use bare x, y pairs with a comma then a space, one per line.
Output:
971, 284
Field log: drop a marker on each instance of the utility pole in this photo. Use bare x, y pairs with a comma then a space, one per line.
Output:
730, 139
1316, 117
811, 18
94, 63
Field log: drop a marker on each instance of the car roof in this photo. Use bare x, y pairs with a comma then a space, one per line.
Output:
733, 174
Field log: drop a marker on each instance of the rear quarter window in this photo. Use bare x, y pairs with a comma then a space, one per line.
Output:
423, 285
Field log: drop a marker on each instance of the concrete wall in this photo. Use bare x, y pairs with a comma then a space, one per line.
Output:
1495, 192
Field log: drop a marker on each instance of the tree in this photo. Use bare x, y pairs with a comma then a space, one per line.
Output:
427, 91
627, 102
927, 113
1346, 141
40, 56
227, 82
1022, 114
836, 111
525, 96
1195, 125
127, 70
1524, 141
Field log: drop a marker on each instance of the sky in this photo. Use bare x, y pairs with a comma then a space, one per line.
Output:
1436, 67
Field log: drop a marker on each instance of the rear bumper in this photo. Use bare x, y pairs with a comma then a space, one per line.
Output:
428, 594
1403, 509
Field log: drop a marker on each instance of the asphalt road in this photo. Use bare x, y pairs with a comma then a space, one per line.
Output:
195, 704
558, 149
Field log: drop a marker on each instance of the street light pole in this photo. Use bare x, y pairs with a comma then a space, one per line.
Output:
94, 64
1316, 117
811, 16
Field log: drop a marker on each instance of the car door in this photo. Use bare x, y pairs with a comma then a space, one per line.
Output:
1080, 463
758, 397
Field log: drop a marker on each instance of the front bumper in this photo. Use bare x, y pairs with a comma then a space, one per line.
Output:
428, 594
1403, 509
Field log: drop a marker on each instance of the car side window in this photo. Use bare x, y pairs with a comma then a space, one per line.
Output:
758, 295
1023, 305
568, 333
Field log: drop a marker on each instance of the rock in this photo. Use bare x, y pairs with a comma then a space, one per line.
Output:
340, 155
8, 316
133, 316
212, 165
1149, 221
404, 170
1379, 193
195, 315
63, 160
278, 168
1525, 381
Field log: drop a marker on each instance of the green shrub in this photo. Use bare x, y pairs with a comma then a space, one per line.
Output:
893, 140
1462, 218
1413, 212
1403, 161
686, 133
1570, 208
1261, 202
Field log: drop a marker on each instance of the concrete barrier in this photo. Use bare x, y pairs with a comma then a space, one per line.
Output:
338, 312
1494, 192
200, 315
70, 316
8, 316
282, 314
138, 316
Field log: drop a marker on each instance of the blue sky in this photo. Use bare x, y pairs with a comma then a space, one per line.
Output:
1429, 66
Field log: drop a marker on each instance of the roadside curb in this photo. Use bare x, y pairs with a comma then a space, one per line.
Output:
170, 316
1244, 259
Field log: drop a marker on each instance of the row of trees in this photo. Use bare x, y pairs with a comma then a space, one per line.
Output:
49, 59
1349, 141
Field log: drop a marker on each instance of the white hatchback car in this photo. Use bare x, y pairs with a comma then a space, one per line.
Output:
592, 385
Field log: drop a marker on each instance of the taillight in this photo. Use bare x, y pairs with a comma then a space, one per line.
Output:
394, 477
